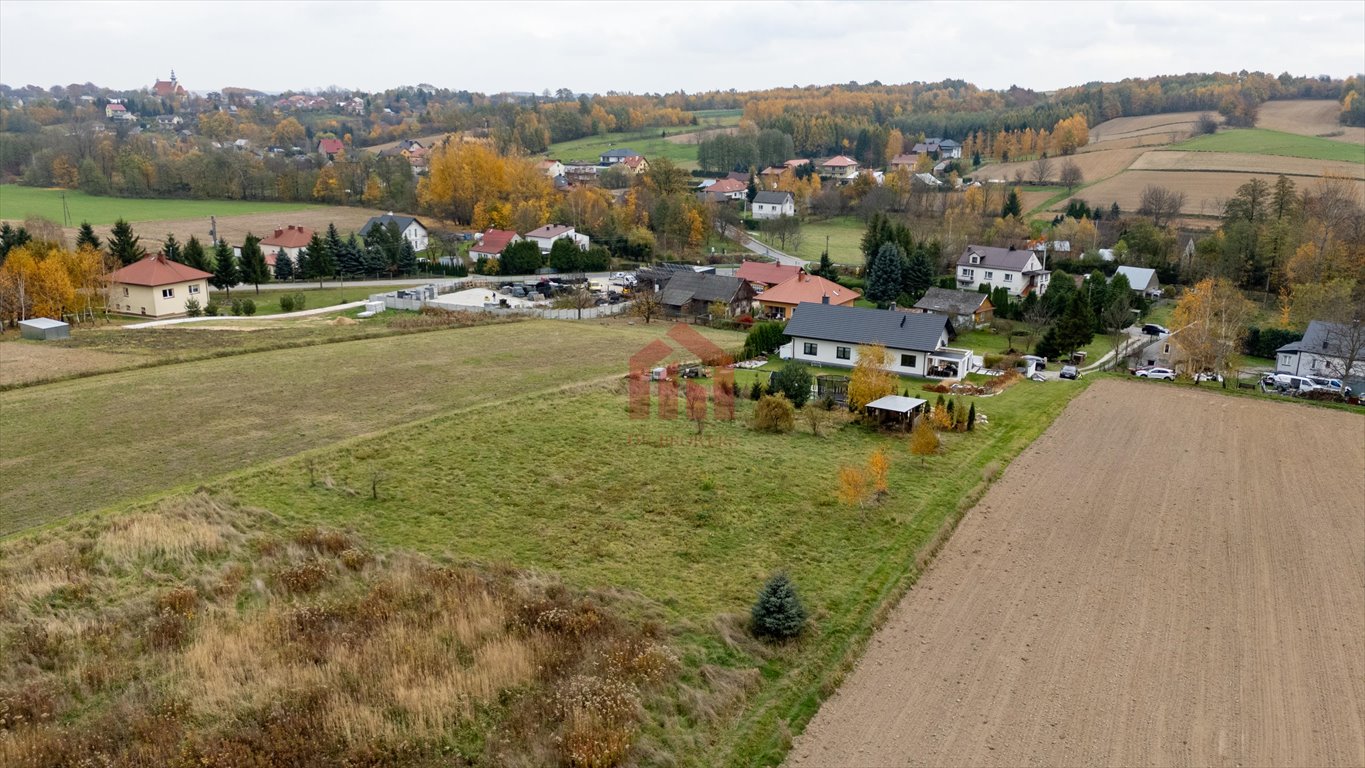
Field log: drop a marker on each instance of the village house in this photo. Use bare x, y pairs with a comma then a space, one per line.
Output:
1018, 271
765, 274
157, 287
492, 243
966, 309
839, 168
286, 242
551, 168
545, 237
768, 178
723, 189
772, 205
782, 299
412, 230
693, 293
916, 344
905, 161
115, 111
330, 147
637, 164
614, 156
1325, 350
1143, 281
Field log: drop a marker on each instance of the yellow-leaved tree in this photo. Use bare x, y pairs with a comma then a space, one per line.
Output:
1211, 320
923, 438
871, 379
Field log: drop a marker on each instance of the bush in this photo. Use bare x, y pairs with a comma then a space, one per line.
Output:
991, 360
300, 302
794, 382
756, 391
248, 307
192, 308
763, 338
774, 413
212, 309
287, 303
778, 613
1262, 342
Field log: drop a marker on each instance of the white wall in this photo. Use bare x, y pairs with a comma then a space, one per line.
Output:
773, 211
417, 236
827, 355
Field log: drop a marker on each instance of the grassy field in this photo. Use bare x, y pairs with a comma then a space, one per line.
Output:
17, 202
1259, 141
573, 486
145, 431
845, 235
650, 142
268, 302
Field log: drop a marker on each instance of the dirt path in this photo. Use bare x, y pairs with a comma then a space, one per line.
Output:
1182, 586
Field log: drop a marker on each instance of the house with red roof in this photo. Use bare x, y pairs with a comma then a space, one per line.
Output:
330, 147
287, 242
165, 89
763, 275
724, 189
840, 168
782, 299
637, 164
157, 287
492, 243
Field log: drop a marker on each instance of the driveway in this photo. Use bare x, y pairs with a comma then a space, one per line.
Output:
753, 245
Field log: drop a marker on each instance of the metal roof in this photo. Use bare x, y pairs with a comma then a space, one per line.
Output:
996, 258
950, 301
860, 325
897, 403
1139, 278
43, 323
773, 198
683, 287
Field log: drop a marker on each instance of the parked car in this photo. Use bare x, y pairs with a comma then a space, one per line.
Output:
1070, 372
1333, 385
1156, 373
1152, 329
1208, 376
1038, 362
1291, 384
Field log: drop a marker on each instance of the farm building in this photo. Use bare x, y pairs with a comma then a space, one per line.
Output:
967, 309
693, 293
44, 329
157, 287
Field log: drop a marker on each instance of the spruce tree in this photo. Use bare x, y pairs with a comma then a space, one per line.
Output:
374, 260
826, 269
1012, 206
884, 274
86, 237
171, 249
254, 269
971, 417
919, 274
778, 613
194, 255
349, 258
1077, 326
123, 244
407, 258
303, 268
752, 191
284, 266
225, 273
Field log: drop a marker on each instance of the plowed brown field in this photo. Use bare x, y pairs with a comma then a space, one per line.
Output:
1167, 577
1310, 117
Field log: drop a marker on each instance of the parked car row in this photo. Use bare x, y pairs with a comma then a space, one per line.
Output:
1289, 384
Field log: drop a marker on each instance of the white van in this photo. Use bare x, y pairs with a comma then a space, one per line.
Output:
1286, 382
1334, 385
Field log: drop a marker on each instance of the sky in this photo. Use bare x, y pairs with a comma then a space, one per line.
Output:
663, 46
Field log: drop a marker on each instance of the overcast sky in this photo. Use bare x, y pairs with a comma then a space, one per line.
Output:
663, 46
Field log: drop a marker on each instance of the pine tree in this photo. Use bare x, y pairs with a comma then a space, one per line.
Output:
225, 273
884, 274
1077, 326
1012, 205
407, 258
194, 255
826, 269
11, 238
303, 266
374, 260
171, 249
253, 266
328, 261
971, 417
919, 274
752, 191
123, 244
86, 237
284, 266
350, 257
778, 613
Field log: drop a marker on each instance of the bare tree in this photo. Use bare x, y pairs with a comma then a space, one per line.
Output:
1116, 318
1207, 123
1343, 348
1038, 317
1160, 203
1071, 175
1042, 169
1018, 176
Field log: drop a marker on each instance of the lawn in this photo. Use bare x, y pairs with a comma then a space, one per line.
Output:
105, 440
648, 142
693, 524
17, 202
1259, 141
268, 302
844, 233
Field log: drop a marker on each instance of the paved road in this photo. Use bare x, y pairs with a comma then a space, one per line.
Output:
764, 250
229, 318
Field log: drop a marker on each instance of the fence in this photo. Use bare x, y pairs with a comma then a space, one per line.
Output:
413, 299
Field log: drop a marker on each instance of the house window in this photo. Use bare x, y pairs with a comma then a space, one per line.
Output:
810, 348
969, 273
990, 275
194, 289
908, 361
1166, 349
976, 259
1009, 277
167, 293
842, 353
125, 292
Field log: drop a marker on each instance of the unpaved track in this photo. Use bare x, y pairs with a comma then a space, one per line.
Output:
1167, 577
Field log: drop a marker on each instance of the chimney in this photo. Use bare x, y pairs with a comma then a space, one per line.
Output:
1011, 246
278, 232
824, 299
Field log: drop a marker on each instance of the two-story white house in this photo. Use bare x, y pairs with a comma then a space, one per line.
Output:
772, 205
1018, 271
916, 345
1325, 350
410, 228
839, 168
546, 236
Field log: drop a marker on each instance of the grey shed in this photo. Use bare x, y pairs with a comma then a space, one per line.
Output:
43, 329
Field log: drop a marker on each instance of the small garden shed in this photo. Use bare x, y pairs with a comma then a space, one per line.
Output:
44, 329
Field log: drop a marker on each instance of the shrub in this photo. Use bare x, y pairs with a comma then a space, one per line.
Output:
774, 413
300, 302
763, 338
212, 309
304, 577
778, 613
287, 303
756, 391
248, 307
192, 308
992, 360
794, 381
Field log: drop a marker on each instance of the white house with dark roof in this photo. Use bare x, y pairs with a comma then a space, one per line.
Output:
1142, 280
411, 229
1018, 271
772, 205
1325, 350
614, 156
916, 344
546, 236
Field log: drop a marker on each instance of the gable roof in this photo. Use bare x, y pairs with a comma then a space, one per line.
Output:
156, 271
332, 146
808, 288
905, 159
860, 325
998, 258
949, 301
1139, 278
726, 187
403, 222
550, 230
839, 161
621, 153
683, 287
766, 272
494, 241
773, 198
1324, 338
289, 237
